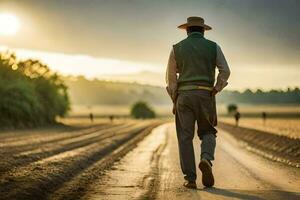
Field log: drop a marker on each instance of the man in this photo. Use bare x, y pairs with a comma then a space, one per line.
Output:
91, 117
264, 117
193, 93
237, 117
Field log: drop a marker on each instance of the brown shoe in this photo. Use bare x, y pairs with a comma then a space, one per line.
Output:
190, 184
207, 175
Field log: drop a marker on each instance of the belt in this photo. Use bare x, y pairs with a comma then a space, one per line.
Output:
195, 87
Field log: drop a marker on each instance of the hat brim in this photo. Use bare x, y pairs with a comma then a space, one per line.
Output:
184, 26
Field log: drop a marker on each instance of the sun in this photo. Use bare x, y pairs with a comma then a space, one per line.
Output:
9, 24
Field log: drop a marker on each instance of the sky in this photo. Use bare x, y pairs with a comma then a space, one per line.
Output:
131, 39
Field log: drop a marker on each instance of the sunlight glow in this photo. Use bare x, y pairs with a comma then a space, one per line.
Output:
242, 76
9, 24
92, 67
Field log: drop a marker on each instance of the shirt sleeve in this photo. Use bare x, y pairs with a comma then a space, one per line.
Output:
224, 71
171, 76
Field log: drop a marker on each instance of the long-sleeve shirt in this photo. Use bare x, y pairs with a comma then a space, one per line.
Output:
171, 73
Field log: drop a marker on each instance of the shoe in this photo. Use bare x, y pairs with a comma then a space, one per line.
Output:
207, 175
190, 184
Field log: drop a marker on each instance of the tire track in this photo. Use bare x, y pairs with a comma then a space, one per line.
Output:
152, 180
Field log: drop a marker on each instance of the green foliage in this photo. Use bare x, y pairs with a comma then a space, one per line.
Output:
232, 108
141, 110
30, 94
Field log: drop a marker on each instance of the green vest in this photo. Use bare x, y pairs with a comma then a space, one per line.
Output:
196, 60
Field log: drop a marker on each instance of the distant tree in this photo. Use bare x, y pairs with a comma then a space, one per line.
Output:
259, 91
248, 92
232, 108
141, 110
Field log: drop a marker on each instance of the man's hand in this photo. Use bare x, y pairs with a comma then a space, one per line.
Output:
214, 92
174, 109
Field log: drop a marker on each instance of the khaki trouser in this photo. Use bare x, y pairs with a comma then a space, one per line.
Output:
195, 106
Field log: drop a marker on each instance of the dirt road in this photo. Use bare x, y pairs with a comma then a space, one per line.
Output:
103, 162
151, 171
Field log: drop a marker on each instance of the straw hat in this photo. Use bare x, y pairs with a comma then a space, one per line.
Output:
195, 21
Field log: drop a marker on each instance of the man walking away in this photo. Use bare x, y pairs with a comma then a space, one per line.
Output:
91, 117
193, 93
237, 117
264, 117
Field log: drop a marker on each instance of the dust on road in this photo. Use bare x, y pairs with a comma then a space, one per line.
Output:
239, 173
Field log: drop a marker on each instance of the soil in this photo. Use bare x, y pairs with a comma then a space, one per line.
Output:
276, 147
53, 163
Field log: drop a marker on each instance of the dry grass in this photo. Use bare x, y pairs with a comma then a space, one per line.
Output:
287, 127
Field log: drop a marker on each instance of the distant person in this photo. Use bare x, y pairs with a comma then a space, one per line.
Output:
111, 118
237, 117
193, 93
92, 117
264, 117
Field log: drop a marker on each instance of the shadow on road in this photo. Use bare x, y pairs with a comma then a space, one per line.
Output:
253, 194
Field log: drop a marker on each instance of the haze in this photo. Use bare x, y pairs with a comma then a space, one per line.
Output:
113, 39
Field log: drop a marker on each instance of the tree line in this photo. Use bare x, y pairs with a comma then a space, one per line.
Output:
99, 92
288, 96
30, 93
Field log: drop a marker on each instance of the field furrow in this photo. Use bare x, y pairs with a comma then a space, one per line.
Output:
276, 147
13, 157
43, 170
40, 139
